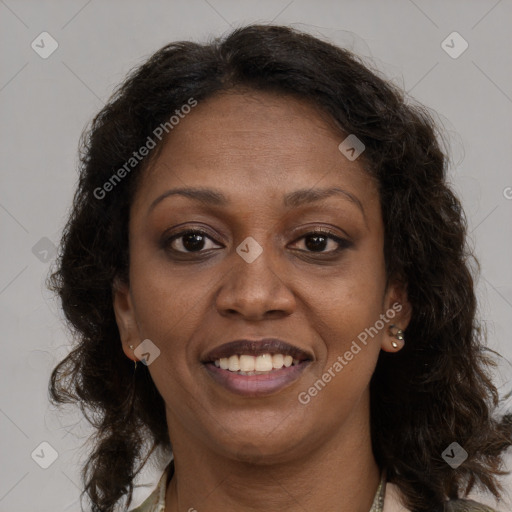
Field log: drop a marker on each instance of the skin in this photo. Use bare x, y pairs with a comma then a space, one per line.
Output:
260, 453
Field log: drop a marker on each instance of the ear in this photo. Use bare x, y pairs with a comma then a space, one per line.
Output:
125, 317
398, 309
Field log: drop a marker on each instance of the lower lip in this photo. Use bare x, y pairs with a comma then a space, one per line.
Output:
257, 385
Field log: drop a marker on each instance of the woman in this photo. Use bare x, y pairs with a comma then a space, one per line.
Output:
264, 224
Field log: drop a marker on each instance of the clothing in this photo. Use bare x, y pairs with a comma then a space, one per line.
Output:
387, 498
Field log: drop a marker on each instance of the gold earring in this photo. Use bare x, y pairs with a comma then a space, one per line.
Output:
399, 335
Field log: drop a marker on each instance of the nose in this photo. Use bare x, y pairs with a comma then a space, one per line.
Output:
255, 290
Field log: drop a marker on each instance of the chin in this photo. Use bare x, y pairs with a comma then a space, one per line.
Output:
260, 447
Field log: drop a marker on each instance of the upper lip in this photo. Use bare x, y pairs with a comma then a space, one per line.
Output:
256, 348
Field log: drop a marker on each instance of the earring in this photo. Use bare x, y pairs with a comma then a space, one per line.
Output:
135, 361
399, 335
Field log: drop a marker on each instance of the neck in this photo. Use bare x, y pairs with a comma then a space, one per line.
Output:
340, 475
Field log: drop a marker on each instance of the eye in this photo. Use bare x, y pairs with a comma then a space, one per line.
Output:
319, 240
192, 240
197, 241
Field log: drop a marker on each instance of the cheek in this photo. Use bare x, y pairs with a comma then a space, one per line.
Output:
167, 305
348, 357
352, 298
345, 315
168, 310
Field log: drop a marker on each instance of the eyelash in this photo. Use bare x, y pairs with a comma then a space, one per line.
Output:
342, 242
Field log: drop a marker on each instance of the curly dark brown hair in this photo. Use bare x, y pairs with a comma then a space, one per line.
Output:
435, 391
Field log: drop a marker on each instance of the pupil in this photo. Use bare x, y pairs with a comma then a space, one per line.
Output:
318, 244
193, 241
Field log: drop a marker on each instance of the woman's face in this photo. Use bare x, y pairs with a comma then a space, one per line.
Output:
270, 173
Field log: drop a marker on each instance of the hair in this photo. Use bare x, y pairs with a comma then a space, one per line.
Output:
436, 390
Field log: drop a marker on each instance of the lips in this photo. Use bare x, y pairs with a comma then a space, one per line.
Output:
256, 348
225, 364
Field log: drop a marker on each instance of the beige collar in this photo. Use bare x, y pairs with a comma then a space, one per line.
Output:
392, 502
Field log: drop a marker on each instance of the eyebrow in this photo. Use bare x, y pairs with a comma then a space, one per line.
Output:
291, 200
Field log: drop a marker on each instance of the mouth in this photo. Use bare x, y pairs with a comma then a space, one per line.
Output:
256, 367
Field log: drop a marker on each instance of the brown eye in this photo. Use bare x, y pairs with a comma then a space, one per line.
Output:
319, 241
190, 241
316, 243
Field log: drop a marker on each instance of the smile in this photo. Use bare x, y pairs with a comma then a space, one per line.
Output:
256, 368
253, 365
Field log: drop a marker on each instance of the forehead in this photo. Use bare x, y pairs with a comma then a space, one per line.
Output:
252, 143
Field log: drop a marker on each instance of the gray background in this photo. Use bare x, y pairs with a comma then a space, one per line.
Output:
45, 104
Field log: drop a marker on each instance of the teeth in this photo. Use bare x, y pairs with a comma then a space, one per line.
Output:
251, 373
277, 360
263, 363
234, 364
246, 364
